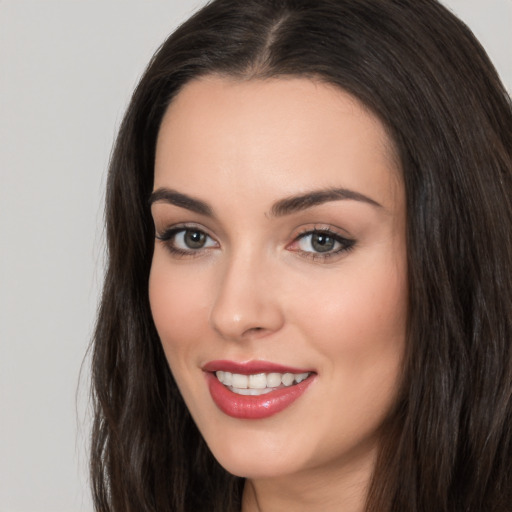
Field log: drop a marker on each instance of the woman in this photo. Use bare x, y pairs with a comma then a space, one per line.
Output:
308, 297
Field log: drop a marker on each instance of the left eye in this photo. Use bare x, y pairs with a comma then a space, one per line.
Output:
192, 239
322, 242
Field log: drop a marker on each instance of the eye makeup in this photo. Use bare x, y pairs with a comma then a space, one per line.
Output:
186, 240
321, 244
317, 244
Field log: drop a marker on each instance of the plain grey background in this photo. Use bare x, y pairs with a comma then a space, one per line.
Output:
67, 68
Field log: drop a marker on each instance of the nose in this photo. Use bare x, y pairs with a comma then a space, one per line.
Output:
246, 303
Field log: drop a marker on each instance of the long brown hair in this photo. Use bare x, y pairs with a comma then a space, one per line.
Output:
448, 443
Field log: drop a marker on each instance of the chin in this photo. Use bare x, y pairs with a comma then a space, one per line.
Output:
259, 457
259, 468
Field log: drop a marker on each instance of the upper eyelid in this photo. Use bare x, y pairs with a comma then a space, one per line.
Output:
184, 227
328, 232
322, 228
343, 240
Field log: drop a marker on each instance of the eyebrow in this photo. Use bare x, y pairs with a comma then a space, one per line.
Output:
294, 204
183, 201
281, 208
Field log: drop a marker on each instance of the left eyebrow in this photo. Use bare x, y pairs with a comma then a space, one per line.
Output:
302, 202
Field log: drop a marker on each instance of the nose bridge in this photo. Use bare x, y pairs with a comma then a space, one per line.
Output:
246, 303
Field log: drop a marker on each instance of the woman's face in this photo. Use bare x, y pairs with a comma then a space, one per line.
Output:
278, 283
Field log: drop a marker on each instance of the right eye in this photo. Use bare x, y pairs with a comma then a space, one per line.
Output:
186, 241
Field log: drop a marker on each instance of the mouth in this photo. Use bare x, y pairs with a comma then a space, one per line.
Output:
259, 383
255, 390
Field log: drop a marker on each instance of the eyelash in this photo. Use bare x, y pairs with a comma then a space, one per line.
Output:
346, 244
168, 238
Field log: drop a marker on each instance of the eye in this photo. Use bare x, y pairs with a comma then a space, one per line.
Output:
192, 239
321, 244
318, 242
186, 241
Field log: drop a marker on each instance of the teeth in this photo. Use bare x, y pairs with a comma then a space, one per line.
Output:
273, 380
287, 379
240, 381
301, 377
253, 392
228, 379
258, 383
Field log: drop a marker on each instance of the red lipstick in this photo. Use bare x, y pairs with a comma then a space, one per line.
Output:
250, 367
253, 406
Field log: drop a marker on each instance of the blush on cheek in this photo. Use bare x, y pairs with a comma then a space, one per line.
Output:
165, 305
176, 304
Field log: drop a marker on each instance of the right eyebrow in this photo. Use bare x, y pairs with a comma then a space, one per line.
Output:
170, 196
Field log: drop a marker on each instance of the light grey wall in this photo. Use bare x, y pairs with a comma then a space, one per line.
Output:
67, 68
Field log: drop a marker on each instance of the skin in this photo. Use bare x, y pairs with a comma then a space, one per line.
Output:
258, 291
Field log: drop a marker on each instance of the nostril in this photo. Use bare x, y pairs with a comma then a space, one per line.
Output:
253, 331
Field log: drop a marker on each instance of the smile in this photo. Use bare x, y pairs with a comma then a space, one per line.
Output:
258, 383
255, 390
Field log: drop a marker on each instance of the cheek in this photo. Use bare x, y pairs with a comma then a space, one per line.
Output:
179, 306
360, 311
357, 322
360, 334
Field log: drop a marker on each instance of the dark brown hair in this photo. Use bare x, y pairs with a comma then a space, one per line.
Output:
447, 446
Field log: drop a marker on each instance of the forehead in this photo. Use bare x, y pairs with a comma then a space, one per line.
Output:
285, 135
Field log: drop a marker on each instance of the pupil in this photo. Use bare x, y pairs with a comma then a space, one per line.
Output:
322, 243
195, 239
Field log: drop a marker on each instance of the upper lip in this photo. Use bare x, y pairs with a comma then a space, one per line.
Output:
251, 367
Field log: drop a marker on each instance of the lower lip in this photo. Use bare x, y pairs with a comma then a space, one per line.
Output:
249, 407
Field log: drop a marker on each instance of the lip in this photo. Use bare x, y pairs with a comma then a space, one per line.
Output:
250, 407
251, 367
